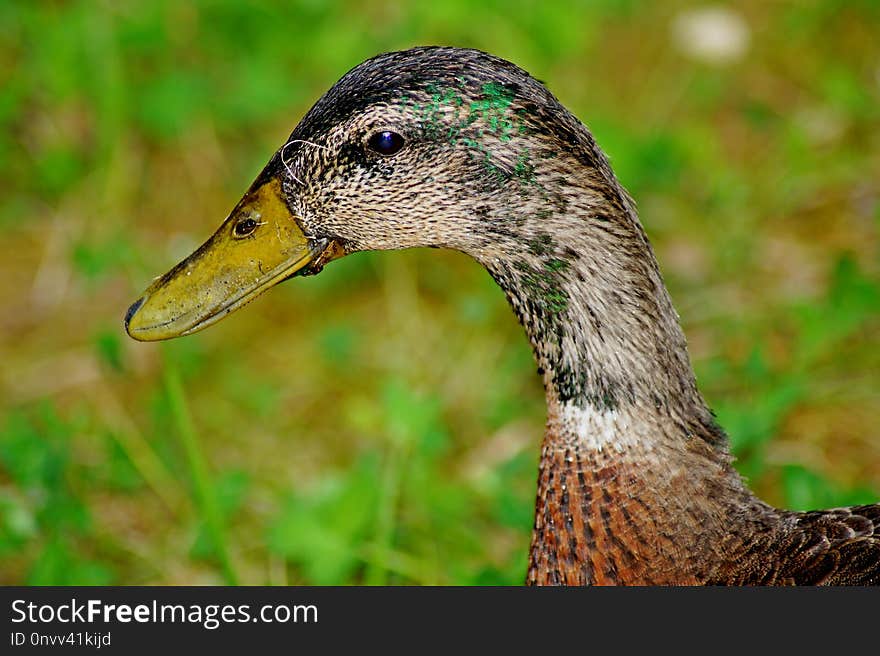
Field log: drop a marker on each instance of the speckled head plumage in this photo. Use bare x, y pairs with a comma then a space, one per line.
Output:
475, 128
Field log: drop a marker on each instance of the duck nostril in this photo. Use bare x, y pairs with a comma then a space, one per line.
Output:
245, 227
131, 311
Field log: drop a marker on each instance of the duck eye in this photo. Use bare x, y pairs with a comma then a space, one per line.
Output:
245, 227
385, 142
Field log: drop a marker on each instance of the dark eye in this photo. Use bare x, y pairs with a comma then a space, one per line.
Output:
245, 227
385, 142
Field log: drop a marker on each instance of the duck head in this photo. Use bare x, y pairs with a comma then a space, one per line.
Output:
436, 147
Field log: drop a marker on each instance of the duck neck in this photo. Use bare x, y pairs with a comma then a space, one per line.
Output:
587, 289
633, 464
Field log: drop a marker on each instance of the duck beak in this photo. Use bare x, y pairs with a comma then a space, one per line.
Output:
259, 245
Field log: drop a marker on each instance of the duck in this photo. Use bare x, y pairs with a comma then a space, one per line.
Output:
455, 148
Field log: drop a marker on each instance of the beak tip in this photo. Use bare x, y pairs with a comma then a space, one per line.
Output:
132, 310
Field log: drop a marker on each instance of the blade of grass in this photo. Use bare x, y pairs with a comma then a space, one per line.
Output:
418, 571
142, 455
378, 567
205, 497
401, 298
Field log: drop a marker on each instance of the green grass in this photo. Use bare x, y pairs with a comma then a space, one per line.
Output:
379, 423
203, 487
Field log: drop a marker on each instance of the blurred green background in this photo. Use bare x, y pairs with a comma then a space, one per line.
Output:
380, 423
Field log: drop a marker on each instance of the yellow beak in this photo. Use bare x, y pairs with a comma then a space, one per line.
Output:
259, 245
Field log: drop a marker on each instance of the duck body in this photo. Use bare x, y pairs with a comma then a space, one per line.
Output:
454, 148
601, 521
